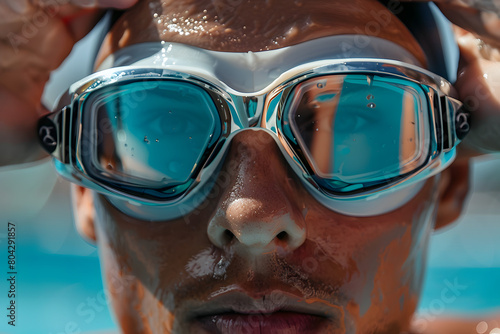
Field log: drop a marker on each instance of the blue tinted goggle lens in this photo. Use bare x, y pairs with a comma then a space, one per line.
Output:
358, 130
354, 131
152, 133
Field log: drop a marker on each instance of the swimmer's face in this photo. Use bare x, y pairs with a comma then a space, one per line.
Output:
283, 262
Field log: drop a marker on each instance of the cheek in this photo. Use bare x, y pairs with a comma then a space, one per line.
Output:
370, 263
136, 308
145, 262
380, 259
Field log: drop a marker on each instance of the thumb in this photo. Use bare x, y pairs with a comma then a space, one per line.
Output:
79, 22
478, 86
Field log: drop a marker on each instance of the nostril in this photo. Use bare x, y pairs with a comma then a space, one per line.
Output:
228, 236
282, 235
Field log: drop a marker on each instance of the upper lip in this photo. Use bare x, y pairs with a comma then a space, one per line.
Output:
238, 301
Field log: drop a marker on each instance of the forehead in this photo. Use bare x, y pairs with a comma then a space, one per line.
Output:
243, 25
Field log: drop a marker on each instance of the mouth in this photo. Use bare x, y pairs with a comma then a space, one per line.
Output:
276, 312
261, 323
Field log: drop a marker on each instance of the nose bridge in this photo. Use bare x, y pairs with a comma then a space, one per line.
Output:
261, 207
258, 168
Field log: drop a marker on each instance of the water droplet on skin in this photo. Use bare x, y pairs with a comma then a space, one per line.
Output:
371, 105
482, 327
370, 97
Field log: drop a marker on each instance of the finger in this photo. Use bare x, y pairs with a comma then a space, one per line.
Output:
479, 17
478, 86
19, 7
472, 48
80, 21
483, 23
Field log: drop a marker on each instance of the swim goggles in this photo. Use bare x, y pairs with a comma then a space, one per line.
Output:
352, 129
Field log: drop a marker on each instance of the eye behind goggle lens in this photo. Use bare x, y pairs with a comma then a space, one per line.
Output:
149, 134
359, 131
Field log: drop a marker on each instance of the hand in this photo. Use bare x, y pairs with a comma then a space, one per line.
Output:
35, 37
478, 83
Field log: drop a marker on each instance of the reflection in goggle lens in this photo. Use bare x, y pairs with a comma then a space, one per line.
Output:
156, 135
357, 130
354, 130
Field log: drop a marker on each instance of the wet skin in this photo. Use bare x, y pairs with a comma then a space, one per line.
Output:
362, 274
36, 36
160, 272
280, 248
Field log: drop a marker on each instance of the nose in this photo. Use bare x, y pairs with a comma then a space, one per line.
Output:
261, 208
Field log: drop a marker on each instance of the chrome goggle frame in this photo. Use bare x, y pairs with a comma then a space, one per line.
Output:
61, 132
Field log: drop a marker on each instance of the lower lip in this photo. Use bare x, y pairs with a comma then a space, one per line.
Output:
275, 323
